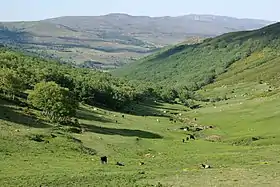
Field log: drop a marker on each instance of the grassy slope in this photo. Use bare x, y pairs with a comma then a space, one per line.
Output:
247, 125
116, 39
183, 64
61, 162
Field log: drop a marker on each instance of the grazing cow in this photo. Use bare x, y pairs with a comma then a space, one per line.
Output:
187, 138
194, 119
122, 116
198, 129
183, 140
116, 121
192, 137
175, 121
170, 119
141, 163
104, 159
205, 166
120, 164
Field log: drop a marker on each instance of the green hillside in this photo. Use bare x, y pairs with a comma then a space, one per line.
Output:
56, 121
44, 142
203, 63
110, 41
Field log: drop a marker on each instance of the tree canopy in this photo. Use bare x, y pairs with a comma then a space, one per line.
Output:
55, 101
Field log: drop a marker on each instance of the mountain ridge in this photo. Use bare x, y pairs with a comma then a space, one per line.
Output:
115, 39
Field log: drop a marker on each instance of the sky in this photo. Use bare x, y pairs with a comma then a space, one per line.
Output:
30, 10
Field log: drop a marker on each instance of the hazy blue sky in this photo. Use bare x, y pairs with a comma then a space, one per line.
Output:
41, 9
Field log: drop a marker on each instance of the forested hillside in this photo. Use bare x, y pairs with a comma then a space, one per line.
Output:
21, 73
194, 66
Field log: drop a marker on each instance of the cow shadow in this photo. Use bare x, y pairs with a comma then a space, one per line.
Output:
121, 132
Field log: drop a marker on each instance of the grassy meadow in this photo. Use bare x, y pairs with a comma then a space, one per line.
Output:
242, 147
234, 118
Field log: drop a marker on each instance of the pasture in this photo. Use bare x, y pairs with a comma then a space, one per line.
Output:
242, 147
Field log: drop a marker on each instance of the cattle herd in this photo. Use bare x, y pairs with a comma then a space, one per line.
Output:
104, 159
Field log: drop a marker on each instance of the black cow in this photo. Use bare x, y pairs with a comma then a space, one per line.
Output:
192, 137
104, 159
123, 116
183, 140
120, 164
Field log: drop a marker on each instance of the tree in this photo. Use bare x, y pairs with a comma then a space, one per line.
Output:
56, 102
10, 82
169, 94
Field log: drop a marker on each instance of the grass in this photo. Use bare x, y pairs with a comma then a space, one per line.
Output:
246, 155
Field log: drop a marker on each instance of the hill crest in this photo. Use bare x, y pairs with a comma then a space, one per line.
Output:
112, 40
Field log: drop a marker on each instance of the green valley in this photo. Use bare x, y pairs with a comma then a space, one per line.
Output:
212, 103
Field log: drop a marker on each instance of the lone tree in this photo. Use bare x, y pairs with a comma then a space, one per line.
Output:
56, 102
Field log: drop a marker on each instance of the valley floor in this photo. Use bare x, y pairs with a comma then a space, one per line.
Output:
244, 148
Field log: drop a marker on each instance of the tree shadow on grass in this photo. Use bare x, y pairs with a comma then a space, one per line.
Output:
86, 114
159, 105
145, 109
8, 113
121, 132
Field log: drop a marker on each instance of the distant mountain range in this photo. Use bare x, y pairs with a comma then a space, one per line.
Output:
113, 40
